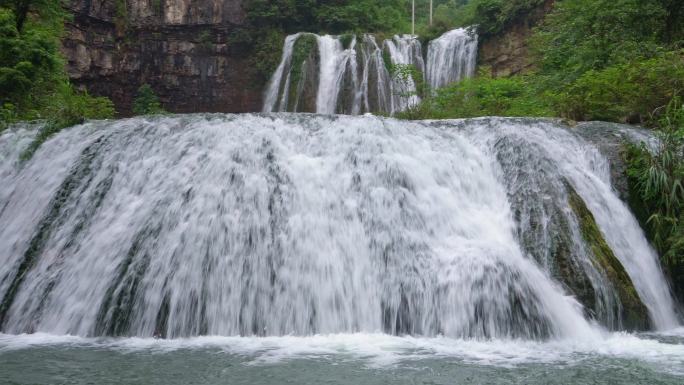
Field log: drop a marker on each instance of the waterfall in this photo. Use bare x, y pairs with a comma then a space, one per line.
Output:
271, 102
301, 224
334, 62
376, 89
404, 50
351, 75
451, 57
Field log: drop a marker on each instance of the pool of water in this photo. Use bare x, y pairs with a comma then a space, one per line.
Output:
617, 358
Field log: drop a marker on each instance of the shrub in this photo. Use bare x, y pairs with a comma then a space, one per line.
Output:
492, 16
487, 96
68, 108
631, 92
583, 35
33, 83
147, 102
658, 177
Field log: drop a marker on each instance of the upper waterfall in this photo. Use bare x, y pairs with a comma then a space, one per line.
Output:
300, 224
352, 74
451, 57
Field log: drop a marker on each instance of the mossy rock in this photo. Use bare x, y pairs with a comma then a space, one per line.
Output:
634, 313
387, 58
305, 57
346, 40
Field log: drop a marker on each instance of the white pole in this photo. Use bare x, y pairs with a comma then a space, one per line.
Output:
430, 12
413, 17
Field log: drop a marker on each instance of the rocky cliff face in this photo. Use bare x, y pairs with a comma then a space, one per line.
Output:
182, 48
509, 53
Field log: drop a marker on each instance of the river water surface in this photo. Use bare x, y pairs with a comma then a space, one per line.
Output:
341, 359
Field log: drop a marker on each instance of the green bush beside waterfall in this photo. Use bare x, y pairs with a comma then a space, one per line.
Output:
656, 177
33, 82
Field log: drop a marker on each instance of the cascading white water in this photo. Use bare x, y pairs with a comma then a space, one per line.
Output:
292, 224
451, 57
333, 62
404, 50
271, 101
589, 172
354, 77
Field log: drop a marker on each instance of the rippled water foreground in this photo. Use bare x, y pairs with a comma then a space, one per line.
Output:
341, 359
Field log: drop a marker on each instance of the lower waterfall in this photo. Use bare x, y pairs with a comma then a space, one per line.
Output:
295, 224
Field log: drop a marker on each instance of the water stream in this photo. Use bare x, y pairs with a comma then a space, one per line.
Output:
306, 237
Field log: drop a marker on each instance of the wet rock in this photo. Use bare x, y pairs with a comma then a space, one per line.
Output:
634, 314
182, 48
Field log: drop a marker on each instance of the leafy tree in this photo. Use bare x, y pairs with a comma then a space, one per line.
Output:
33, 82
47, 10
490, 17
583, 35
332, 16
674, 20
635, 91
487, 96
147, 102
25, 60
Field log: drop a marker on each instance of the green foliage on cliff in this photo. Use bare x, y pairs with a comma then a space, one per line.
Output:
331, 16
33, 82
583, 35
656, 178
633, 91
491, 17
146, 102
615, 60
487, 96
43, 11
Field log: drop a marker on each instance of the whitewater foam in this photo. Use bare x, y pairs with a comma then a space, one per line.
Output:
385, 351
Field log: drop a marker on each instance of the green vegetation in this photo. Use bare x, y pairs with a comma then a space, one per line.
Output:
492, 16
331, 16
612, 60
597, 59
484, 96
635, 91
146, 102
121, 17
304, 50
657, 178
409, 84
33, 83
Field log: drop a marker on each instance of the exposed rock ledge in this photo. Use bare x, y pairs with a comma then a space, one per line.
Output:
180, 47
509, 53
